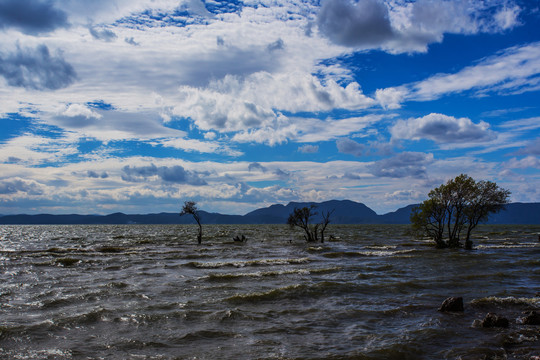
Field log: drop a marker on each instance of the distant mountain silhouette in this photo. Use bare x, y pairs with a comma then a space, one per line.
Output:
345, 212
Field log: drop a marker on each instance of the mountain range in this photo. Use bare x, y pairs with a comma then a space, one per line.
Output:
344, 212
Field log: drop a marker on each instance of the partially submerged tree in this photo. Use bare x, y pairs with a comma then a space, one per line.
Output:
325, 221
302, 218
190, 207
454, 209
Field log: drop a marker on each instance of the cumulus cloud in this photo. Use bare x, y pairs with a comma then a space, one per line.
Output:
31, 16
351, 176
533, 148
390, 98
173, 174
36, 69
282, 174
442, 129
308, 149
208, 147
255, 166
229, 60
313, 130
95, 175
12, 186
13, 159
401, 195
405, 164
355, 24
351, 147
131, 41
409, 26
276, 45
269, 135
116, 125
103, 34
530, 161
239, 103
77, 116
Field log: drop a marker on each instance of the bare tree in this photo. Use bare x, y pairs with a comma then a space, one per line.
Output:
325, 221
190, 207
302, 218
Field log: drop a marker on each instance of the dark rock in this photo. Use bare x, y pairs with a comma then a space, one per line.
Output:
494, 320
532, 318
240, 239
452, 304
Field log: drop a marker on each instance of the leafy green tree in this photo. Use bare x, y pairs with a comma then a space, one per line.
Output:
454, 209
190, 207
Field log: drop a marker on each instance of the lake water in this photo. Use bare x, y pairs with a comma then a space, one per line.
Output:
150, 292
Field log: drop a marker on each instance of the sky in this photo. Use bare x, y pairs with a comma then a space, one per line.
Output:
136, 106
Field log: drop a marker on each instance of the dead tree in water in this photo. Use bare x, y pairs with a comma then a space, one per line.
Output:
325, 222
190, 207
302, 218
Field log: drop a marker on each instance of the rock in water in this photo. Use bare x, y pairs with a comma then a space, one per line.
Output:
532, 318
494, 320
452, 304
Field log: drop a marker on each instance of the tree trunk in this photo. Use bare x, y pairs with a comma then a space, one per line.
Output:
199, 237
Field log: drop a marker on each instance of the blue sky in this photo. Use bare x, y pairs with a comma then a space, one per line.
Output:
139, 105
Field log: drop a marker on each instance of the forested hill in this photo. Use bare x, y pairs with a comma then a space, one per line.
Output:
344, 212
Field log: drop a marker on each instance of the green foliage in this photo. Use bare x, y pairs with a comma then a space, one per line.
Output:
454, 209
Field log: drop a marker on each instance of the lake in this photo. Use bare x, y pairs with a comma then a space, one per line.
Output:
150, 292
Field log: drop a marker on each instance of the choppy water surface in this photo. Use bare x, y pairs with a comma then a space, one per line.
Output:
150, 292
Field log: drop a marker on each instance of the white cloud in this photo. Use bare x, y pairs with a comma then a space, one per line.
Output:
78, 110
513, 70
313, 130
516, 63
308, 149
530, 161
364, 23
507, 17
397, 26
405, 195
442, 129
205, 147
351, 147
235, 104
532, 148
267, 135
169, 181
36, 150
521, 124
37, 69
405, 164
390, 98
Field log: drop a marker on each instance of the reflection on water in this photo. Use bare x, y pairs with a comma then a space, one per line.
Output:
149, 291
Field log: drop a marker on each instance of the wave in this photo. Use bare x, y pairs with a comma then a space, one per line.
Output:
208, 335
257, 274
241, 264
367, 253
88, 318
297, 291
506, 301
509, 246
